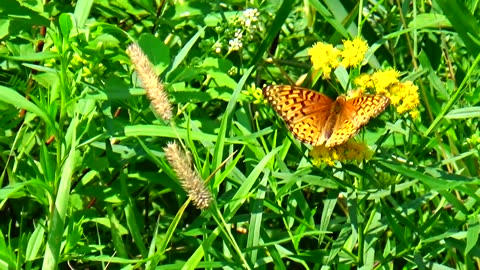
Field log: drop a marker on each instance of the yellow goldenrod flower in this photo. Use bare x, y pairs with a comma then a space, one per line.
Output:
382, 80
414, 113
152, 84
353, 52
403, 96
378, 81
349, 151
191, 181
364, 82
322, 155
254, 94
324, 57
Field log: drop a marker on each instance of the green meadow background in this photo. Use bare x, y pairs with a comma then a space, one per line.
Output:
84, 179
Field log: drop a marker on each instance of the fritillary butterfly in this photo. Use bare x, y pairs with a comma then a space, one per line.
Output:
316, 119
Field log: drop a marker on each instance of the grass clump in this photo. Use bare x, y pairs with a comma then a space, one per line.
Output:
89, 179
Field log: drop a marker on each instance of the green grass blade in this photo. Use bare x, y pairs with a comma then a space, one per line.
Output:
472, 236
12, 97
436, 180
275, 28
166, 132
132, 217
56, 225
255, 227
7, 256
182, 54
82, 11
34, 244
243, 192
464, 23
328, 207
464, 113
225, 125
116, 235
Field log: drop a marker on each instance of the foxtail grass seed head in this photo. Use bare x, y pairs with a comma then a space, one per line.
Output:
191, 181
152, 84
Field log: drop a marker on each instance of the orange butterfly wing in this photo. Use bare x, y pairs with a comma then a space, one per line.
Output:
355, 113
303, 110
315, 119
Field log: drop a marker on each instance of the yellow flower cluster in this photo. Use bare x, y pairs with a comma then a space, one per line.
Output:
379, 81
353, 52
404, 96
325, 57
254, 94
348, 151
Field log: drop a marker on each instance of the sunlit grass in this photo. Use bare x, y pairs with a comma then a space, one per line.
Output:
87, 182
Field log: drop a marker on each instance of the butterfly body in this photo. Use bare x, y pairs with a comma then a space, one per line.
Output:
316, 119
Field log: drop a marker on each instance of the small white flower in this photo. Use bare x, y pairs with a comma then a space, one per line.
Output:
217, 47
251, 14
249, 19
235, 44
238, 34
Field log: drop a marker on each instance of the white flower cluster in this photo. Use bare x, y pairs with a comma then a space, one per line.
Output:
250, 17
248, 22
236, 44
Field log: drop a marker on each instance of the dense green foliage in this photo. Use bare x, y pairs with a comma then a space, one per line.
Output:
85, 182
